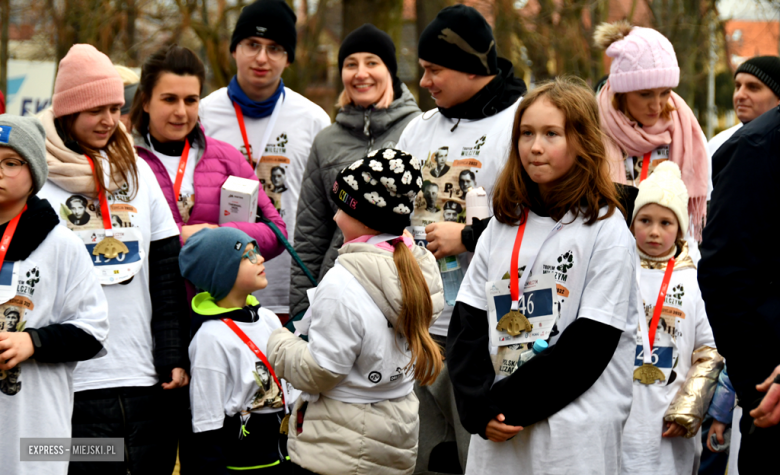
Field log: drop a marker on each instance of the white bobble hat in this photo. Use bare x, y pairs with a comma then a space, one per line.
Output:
665, 188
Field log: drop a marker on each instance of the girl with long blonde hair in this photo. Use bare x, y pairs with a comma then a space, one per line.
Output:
557, 227
368, 334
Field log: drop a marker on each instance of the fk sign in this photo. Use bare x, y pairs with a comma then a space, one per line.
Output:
30, 86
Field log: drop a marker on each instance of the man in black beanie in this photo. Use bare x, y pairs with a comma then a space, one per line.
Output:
476, 95
756, 91
272, 125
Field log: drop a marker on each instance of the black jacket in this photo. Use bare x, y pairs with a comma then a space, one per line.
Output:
738, 271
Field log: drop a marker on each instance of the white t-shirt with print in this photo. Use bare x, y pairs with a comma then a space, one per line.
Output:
685, 320
186, 198
597, 283
129, 361
224, 371
56, 284
350, 335
281, 167
472, 155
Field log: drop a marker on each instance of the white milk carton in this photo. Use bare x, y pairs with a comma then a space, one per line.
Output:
238, 200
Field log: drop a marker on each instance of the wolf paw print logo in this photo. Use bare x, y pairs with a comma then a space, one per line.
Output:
281, 140
375, 376
565, 262
33, 277
678, 291
480, 142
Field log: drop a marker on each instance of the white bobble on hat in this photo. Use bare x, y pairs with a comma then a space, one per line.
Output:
665, 187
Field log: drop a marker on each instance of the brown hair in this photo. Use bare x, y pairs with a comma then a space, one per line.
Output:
415, 317
173, 59
587, 185
120, 152
619, 103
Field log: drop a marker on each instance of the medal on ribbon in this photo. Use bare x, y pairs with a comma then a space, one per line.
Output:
648, 373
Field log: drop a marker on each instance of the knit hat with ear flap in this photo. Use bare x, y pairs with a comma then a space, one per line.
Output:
665, 188
86, 79
642, 57
379, 190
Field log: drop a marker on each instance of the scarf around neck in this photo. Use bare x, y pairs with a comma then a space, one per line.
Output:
682, 133
250, 108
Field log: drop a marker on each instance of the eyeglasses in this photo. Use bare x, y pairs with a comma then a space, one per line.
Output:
11, 167
252, 255
252, 49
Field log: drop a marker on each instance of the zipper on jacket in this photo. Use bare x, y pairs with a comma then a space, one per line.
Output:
367, 128
124, 433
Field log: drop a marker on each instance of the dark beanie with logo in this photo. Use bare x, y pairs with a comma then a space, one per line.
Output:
459, 38
271, 19
379, 190
369, 39
766, 69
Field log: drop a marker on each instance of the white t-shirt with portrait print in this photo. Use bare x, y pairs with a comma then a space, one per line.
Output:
471, 155
685, 321
594, 270
225, 372
281, 166
186, 198
55, 285
129, 361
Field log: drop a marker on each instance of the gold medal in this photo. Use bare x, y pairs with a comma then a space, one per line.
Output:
514, 323
285, 424
648, 374
110, 248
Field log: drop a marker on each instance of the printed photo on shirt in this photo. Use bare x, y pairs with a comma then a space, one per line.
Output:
268, 393
185, 204
443, 194
82, 213
12, 320
634, 165
272, 174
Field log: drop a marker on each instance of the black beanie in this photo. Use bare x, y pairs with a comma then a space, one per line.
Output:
459, 38
379, 190
766, 69
272, 19
369, 39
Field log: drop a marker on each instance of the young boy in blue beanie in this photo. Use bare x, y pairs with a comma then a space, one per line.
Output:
238, 403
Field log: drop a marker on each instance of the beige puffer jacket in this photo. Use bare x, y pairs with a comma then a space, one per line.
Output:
359, 439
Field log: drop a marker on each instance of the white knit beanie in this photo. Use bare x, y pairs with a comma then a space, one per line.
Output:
665, 188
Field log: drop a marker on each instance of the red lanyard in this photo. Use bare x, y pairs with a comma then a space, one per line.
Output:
240, 117
182, 167
514, 280
645, 166
257, 353
104, 210
8, 235
659, 304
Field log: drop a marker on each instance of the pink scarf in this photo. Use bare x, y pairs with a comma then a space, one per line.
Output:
385, 245
683, 135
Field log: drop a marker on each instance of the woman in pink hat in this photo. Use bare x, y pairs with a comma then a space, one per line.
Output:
129, 233
647, 121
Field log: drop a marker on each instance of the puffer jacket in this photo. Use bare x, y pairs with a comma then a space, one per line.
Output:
356, 132
216, 161
338, 437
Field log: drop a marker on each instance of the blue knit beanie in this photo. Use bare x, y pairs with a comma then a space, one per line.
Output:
211, 257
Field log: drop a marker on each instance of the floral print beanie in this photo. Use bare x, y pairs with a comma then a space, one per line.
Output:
379, 190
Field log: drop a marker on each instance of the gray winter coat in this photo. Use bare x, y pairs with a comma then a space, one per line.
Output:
356, 132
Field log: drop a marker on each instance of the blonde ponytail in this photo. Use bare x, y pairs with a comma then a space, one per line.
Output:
415, 317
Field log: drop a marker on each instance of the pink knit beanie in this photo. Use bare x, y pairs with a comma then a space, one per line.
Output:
86, 79
643, 59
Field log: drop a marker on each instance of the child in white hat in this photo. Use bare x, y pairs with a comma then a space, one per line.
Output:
676, 366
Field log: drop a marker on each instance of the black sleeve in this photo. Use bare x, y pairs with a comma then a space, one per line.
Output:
470, 367
63, 342
470, 234
170, 312
556, 374
738, 270
209, 458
